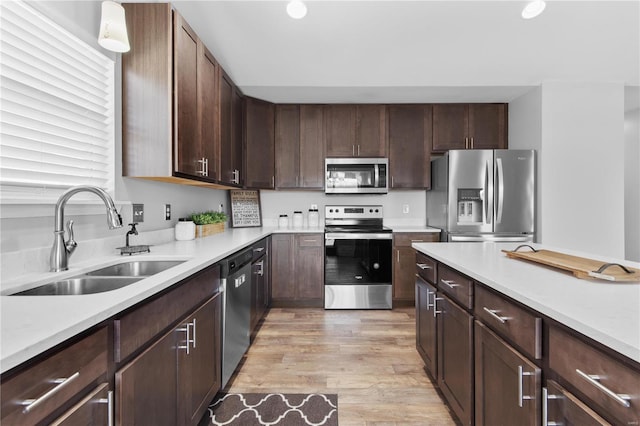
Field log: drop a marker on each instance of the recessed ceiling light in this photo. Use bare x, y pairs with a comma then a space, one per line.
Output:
533, 9
296, 9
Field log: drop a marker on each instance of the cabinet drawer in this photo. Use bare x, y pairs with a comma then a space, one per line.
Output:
309, 240
50, 383
95, 409
615, 390
426, 268
405, 239
562, 408
459, 287
510, 321
138, 327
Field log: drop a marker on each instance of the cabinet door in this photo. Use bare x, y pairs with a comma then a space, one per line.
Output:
208, 94
455, 357
94, 409
426, 325
507, 384
185, 62
410, 146
309, 266
287, 146
487, 126
450, 127
563, 408
340, 130
283, 284
237, 135
404, 270
225, 99
259, 117
199, 375
371, 131
312, 147
146, 387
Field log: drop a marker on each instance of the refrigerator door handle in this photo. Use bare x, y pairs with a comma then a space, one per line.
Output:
488, 191
500, 193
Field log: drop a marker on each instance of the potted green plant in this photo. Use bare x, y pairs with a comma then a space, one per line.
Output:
209, 223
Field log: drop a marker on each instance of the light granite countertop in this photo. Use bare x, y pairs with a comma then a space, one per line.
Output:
605, 311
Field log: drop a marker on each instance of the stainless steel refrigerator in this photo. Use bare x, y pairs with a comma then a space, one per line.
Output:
483, 195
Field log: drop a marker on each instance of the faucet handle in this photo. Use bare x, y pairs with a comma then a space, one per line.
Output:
70, 244
133, 228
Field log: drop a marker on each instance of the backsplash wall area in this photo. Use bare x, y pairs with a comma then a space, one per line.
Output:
275, 203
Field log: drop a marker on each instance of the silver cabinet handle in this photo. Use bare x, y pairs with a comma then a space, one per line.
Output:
545, 408
109, 401
431, 305
194, 334
206, 167
203, 170
450, 283
435, 307
466, 143
60, 383
358, 150
622, 399
186, 329
472, 143
353, 150
398, 256
261, 266
273, 181
494, 314
423, 266
259, 249
521, 396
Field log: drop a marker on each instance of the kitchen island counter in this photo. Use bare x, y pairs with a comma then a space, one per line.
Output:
604, 311
30, 325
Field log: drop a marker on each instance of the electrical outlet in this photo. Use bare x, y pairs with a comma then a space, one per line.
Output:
221, 208
138, 213
405, 208
167, 212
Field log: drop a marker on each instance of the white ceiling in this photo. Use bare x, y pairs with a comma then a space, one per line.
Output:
416, 51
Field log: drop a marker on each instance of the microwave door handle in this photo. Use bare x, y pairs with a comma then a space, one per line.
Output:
376, 175
500, 192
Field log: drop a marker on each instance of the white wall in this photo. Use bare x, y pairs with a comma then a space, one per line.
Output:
632, 185
582, 166
525, 132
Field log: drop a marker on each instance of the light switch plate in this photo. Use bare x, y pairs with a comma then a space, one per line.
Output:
167, 212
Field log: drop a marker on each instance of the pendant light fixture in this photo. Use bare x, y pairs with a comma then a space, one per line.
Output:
113, 28
296, 9
533, 9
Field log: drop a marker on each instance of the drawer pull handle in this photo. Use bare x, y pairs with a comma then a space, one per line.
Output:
494, 314
431, 305
621, 399
423, 266
521, 396
60, 383
450, 283
259, 249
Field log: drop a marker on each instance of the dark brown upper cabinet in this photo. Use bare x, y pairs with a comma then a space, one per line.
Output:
230, 117
356, 130
172, 118
409, 146
469, 126
259, 144
300, 148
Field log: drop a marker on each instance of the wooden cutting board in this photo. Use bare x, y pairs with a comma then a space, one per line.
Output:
581, 267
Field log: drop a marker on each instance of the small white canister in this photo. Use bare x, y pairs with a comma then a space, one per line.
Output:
314, 218
298, 219
185, 229
283, 221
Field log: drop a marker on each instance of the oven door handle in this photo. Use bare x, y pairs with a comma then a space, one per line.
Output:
357, 236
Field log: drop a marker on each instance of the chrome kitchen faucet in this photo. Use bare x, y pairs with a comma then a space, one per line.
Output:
61, 250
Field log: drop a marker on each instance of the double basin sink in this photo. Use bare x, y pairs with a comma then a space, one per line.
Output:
104, 279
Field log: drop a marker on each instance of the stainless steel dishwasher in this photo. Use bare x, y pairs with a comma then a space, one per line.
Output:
236, 310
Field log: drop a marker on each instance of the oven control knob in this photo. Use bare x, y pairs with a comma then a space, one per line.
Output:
330, 210
376, 210
376, 265
337, 210
370, 210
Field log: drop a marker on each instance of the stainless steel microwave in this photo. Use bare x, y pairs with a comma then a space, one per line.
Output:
356, 175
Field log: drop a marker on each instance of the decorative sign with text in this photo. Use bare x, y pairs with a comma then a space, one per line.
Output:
245, 208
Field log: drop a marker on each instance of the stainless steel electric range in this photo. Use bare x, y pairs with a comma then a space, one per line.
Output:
357, 273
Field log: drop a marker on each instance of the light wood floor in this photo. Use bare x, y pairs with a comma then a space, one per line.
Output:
368, 358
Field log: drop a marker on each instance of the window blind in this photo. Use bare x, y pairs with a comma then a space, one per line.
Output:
56, 106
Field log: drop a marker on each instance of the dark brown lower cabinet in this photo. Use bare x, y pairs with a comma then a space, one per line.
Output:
455, 357
173, 380
259, 292
507, 384
94, 409
560, 407
426, 325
